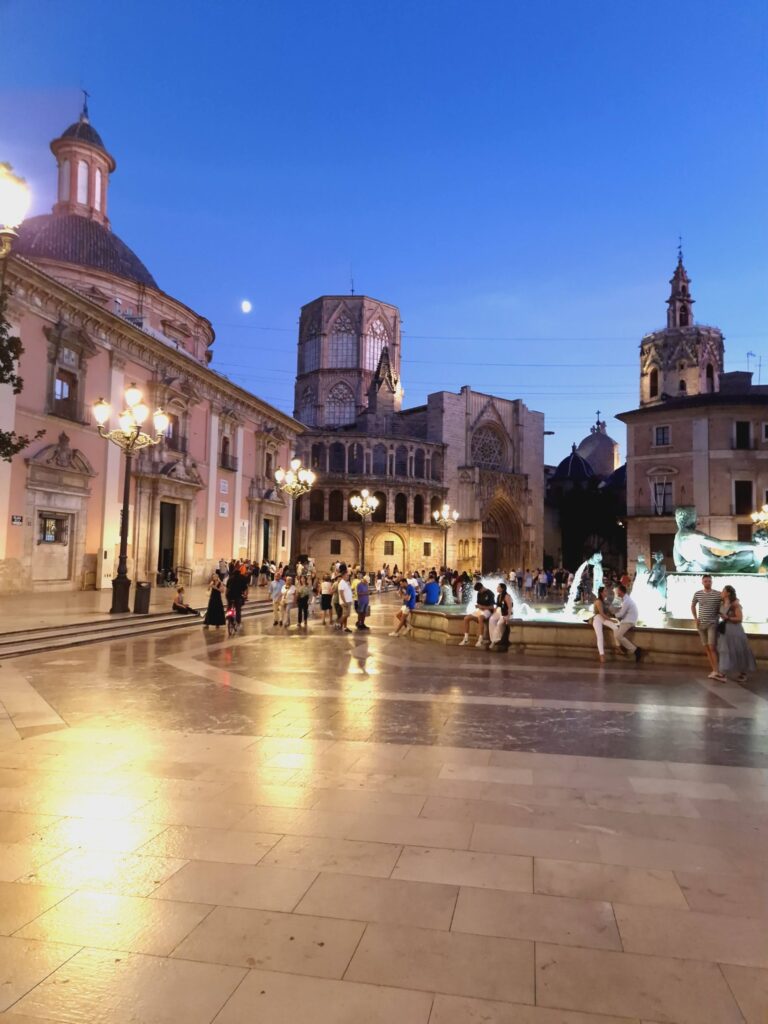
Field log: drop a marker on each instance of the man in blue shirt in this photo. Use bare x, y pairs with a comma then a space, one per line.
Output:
408, 597
432, 590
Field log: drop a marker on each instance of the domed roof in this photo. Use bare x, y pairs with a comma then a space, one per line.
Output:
70, 238
600, 450
574, 468
84, 131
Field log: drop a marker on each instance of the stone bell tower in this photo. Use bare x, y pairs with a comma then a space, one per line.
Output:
684, 358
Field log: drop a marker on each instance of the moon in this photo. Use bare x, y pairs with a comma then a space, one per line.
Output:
246, 306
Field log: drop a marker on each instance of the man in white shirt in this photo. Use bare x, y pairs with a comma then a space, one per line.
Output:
627, 616
346, 599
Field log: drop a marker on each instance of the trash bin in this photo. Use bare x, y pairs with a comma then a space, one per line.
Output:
141, 599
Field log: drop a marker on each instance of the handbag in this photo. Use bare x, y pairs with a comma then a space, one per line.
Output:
721, 626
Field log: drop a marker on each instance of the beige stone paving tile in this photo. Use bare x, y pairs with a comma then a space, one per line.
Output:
383, 900
20, 904
208, 814
750, 989
24, 964
331, 760
657, 804
109, 921
17, 859
254, 793
237, 885
460, 1010
380, 752
610, 766
159, 768
685, 787
663, 854
210, 844
459, 867
423, 756
256, 776
100, 988
654, 988
97, 834
294, 943
292, 821
108, 806
751, 811
536, 842
725, 894
318, 854
692, 935
18, 1018
105, 871
282, 998
390, 828
584, 781
148, 788
718, 773
15, 826
607, 882
268, 746
373, 782
449, 962
513, 915
366, 803
487, 773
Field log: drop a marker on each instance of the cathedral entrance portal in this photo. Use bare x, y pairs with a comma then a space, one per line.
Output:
502, 537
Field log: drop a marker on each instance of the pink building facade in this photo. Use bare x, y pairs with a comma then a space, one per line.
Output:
93, 320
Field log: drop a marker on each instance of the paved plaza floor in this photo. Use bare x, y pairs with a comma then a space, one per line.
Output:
359, 829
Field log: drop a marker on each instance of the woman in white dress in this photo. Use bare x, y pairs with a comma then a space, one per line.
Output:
501, 615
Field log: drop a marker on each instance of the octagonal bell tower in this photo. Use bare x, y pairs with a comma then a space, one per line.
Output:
342, 341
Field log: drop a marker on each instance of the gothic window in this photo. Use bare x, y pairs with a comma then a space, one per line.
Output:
401, 508
653, 383
380, 515
356, 457
710, 378
342, 347
307, 410
401, 461
340, 405
380, 460
684, 316
337, 462
418, 464
82, 182
487, 449
318, 457
316, 506
335, 506
310, 355
97, 189
373, 344
418, 509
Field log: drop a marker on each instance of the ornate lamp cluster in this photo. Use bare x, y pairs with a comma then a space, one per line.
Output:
14, 203
760, 518
446, 518
129, 435
296, 480
364, 503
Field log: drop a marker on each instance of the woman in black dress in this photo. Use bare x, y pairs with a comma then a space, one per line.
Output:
214, 614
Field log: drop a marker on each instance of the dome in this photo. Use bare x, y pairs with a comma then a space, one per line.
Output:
70, 238
600, 450
574, 468
85, 132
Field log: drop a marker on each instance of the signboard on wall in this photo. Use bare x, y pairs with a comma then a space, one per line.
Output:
243, 533
17, 520
223, 486
224, 508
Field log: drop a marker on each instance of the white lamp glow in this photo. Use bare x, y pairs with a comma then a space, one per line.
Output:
14, 198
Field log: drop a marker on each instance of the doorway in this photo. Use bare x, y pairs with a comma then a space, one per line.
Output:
165, 556
267, 539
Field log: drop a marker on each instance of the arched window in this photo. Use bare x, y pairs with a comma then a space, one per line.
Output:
337, 458
380, 515
710, 378
418, 509
356, 459
373, 344
418, 464
685, 318
318, 457
653, 383
269, 462
435, 505
225, 448
307, 410
82, 182
379, 460
316, 506
97, 189
487, 448
401, 508
682, 387
340, 405
401, 461
64, 180
310, 352
335, 506
342, 345
437, 466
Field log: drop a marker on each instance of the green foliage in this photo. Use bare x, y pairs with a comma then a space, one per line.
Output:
11, 350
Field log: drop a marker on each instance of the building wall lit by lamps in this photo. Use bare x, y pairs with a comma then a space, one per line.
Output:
131, 439
446, 518
760, 518
14, 203
365, 504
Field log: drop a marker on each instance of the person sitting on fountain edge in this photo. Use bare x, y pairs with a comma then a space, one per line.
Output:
627, 615
482, 612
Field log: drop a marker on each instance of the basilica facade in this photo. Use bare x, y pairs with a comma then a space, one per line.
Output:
479, 454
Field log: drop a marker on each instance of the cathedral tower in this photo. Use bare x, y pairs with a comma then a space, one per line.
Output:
685, 358
341, 342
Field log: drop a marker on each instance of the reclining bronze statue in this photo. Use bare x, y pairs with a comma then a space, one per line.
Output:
695, 551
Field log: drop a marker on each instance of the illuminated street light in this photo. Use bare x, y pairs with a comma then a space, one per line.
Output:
14, 203
130, 438
296, 480
446, 518
365, 504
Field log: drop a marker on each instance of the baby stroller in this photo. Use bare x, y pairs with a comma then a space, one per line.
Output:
231, 616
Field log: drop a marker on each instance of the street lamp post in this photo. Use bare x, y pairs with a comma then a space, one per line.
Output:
14, 203
131, 439
445, 518
365, 504
295, 481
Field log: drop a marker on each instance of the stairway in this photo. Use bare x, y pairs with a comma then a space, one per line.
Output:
124, 627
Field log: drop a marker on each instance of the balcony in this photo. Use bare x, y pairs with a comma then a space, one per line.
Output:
67, 408
176, 443
227, 461
662, 512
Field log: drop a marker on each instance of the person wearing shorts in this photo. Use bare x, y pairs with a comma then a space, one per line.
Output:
408, 597
485, 602
705, 610
346, 601
326, 590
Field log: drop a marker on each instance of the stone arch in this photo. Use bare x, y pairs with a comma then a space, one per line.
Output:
401, 460
653, 382
380, 515
418, 509
318, 456
502, 534
401, 508
335, 506
337, 458
419, 464
379, 467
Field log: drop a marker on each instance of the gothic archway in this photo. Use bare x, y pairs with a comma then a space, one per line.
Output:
502, 536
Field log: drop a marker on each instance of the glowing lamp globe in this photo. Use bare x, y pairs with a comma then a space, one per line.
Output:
102, 410
14, 198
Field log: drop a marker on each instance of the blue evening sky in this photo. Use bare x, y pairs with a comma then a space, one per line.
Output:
513, 175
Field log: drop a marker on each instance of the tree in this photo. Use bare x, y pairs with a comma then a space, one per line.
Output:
11, 351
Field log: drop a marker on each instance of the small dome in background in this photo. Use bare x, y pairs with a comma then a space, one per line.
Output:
600, 450
84, 131
573, 468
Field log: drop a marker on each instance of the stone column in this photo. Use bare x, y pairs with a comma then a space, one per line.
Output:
326, 504
189, 534
153, 548
237, 499
213, 484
